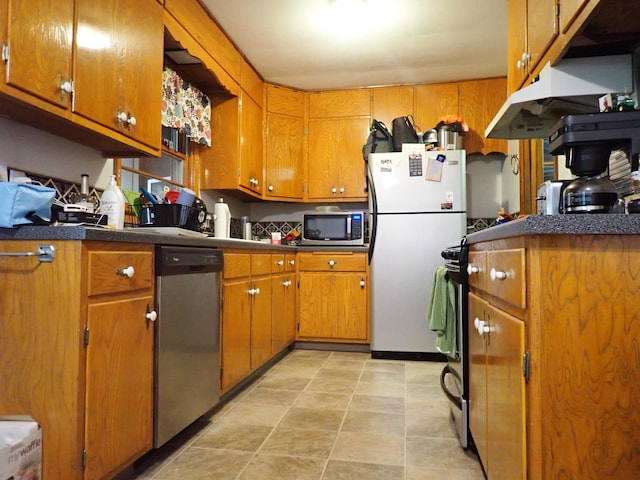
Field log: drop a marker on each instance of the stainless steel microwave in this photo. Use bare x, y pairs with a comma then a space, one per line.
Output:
334, 228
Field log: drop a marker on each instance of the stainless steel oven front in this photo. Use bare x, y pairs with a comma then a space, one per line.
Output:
454, 378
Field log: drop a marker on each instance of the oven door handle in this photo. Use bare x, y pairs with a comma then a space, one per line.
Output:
453, 398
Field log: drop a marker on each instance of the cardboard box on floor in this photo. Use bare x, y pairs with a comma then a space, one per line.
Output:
20, 448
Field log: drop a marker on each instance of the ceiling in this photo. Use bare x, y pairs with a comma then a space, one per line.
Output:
306, 44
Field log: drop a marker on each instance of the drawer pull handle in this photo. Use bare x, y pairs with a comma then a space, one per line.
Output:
45, 253
481, 326
151, 316
332, 263
362, 283
128, 272
286, 283
471, 269
280, 263
497, 274
292, 262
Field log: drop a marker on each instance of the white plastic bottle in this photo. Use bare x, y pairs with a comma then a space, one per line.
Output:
112, 205
222, 222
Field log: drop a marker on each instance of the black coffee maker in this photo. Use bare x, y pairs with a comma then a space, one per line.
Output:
587, 141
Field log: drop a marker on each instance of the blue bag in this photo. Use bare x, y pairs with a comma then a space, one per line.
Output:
18, 201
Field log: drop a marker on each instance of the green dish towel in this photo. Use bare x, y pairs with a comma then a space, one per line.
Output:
441, 314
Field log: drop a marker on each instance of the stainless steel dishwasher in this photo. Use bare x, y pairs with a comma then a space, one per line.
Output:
187, 344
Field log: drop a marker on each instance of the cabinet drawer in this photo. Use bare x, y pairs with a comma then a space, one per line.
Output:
237, 265
506, 275
283, 262
260, 263
108, 271
478, 270
338, 262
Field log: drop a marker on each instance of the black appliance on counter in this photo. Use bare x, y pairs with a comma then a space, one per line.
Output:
454, 378
587, 140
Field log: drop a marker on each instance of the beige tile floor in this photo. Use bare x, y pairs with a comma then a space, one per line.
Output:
324, 415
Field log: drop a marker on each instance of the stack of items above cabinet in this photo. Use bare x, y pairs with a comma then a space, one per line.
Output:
334, 297
553, 319
95, 80
76, 352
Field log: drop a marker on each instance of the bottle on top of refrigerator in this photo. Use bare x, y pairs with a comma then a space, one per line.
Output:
112, 204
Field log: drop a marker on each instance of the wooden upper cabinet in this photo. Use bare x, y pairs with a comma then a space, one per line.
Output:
340, 103
335, 167
197, 21
251, 145
480, 100
118, 66
285, 101
532, 27
251, 83
391, 102
234, 161
516, 43
284, 143
542, 29
432, 102
569, 10
39, 35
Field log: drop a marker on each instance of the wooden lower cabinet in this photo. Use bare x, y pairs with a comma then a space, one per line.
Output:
76, 352
283, 302
579, 328
246, 316
334, 297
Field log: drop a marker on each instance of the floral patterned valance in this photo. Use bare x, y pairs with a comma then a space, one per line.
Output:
186, 108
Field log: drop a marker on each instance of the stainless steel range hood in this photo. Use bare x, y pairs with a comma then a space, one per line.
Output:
569, 87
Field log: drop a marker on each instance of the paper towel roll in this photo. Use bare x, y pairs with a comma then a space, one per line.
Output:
222, 222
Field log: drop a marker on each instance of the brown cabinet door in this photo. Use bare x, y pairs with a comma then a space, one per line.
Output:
392, 102
516, 43
260, 322
480, 100
478, 378
282, 312
569, 10
333, 306
118, 66
284, 156
506, 441
432, 102
119, 389
335, 164
251, 145
236, 333
40, 37
542, 29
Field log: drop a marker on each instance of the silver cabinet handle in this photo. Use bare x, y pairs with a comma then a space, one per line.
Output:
126, 272
45, 253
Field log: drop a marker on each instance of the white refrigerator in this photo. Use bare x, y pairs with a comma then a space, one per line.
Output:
417, 205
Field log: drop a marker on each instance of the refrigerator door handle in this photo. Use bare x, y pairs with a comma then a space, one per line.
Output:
373, 214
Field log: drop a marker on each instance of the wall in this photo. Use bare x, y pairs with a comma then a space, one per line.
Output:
492, 185
26, 148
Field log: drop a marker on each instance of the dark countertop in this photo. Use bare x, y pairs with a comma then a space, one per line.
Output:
594, 224
139, 235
